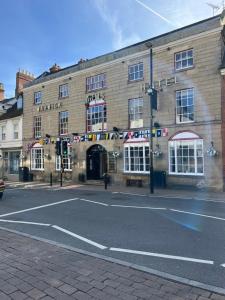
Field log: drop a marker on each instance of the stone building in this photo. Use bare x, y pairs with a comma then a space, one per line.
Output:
101, 107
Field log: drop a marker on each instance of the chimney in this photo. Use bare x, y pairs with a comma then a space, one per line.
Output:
22, 77
2, 92
55, 68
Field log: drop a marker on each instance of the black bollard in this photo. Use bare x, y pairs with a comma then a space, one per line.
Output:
51, 179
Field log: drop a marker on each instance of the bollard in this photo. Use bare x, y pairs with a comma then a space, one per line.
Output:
51, 179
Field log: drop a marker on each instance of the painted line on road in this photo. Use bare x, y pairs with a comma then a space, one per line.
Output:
223, 265
37, 207
170, 197
79, 237
202, 261
144, 207
100, 203
24, 222
196, 214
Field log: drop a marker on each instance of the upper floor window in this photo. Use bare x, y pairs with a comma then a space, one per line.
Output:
135, 107
96, 117
37, 98
37, 127
135, 72
185, 106
184, 60
3, 133
63, 90
15, 131
63, 122
96, 82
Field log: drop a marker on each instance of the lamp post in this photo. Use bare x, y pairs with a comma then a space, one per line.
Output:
150, 93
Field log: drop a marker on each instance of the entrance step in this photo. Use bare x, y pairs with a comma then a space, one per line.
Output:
94, 182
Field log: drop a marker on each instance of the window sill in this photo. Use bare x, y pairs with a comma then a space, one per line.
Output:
185, 69
94, 91
185, 175
187, 122
136, 80
136, 173
62, 98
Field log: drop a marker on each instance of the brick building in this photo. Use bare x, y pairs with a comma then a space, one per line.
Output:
100, 106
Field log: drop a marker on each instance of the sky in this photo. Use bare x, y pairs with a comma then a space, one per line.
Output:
35, 34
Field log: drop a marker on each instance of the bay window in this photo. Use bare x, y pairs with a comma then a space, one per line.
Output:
136, 158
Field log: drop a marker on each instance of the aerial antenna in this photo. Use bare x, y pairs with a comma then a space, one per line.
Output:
214, 7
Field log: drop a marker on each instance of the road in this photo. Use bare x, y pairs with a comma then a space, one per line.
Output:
182, 237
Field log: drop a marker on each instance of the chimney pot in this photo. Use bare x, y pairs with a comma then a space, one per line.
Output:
2, 92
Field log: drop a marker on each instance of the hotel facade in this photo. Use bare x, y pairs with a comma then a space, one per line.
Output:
101, 108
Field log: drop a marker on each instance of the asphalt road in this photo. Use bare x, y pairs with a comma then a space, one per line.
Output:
182, 237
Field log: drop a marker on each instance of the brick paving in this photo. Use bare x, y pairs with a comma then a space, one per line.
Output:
31, 269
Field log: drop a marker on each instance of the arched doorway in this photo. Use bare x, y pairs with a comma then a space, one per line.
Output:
96, 162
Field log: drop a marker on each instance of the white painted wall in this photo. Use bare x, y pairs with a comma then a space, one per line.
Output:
10, 142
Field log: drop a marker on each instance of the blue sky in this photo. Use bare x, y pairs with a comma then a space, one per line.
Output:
35, 34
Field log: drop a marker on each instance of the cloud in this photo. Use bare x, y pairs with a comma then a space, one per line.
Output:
111, 19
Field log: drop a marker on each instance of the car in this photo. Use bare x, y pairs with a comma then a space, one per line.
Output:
2, 188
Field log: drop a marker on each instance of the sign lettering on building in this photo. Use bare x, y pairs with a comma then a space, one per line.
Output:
48, 107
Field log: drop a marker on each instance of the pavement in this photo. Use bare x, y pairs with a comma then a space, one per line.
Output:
35, 269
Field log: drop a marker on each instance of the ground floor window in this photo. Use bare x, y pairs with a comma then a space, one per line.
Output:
136, 158
37, 159
186, 157
67, 163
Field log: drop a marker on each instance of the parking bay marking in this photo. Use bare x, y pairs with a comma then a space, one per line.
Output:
210, 262
37, 207
143, 207
95, 202
197, 214
24, 222
80, 237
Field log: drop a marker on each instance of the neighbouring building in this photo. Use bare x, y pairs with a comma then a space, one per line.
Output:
101, 107
11, 121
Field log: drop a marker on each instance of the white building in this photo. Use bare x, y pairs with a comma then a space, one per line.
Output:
11, 139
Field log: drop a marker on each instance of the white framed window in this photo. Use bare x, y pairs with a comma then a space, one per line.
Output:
63, 122
135, 109
37, 97
96, 82
3, 133
135, 72
184, 60
37, 127
15, 131
37, 159
63, 90
185, 106
96, 117
186, 157
136, 158
67, 163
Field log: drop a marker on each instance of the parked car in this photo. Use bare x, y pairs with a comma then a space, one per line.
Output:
2, 188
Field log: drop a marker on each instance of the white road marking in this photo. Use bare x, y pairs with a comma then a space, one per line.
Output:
209, 262
100, 203
37, 207
171, 197
23, 222
223, 265
196, 214
144, 207
79, 237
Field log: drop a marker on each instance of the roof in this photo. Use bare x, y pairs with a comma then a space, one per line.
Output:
163, 39
12, 112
